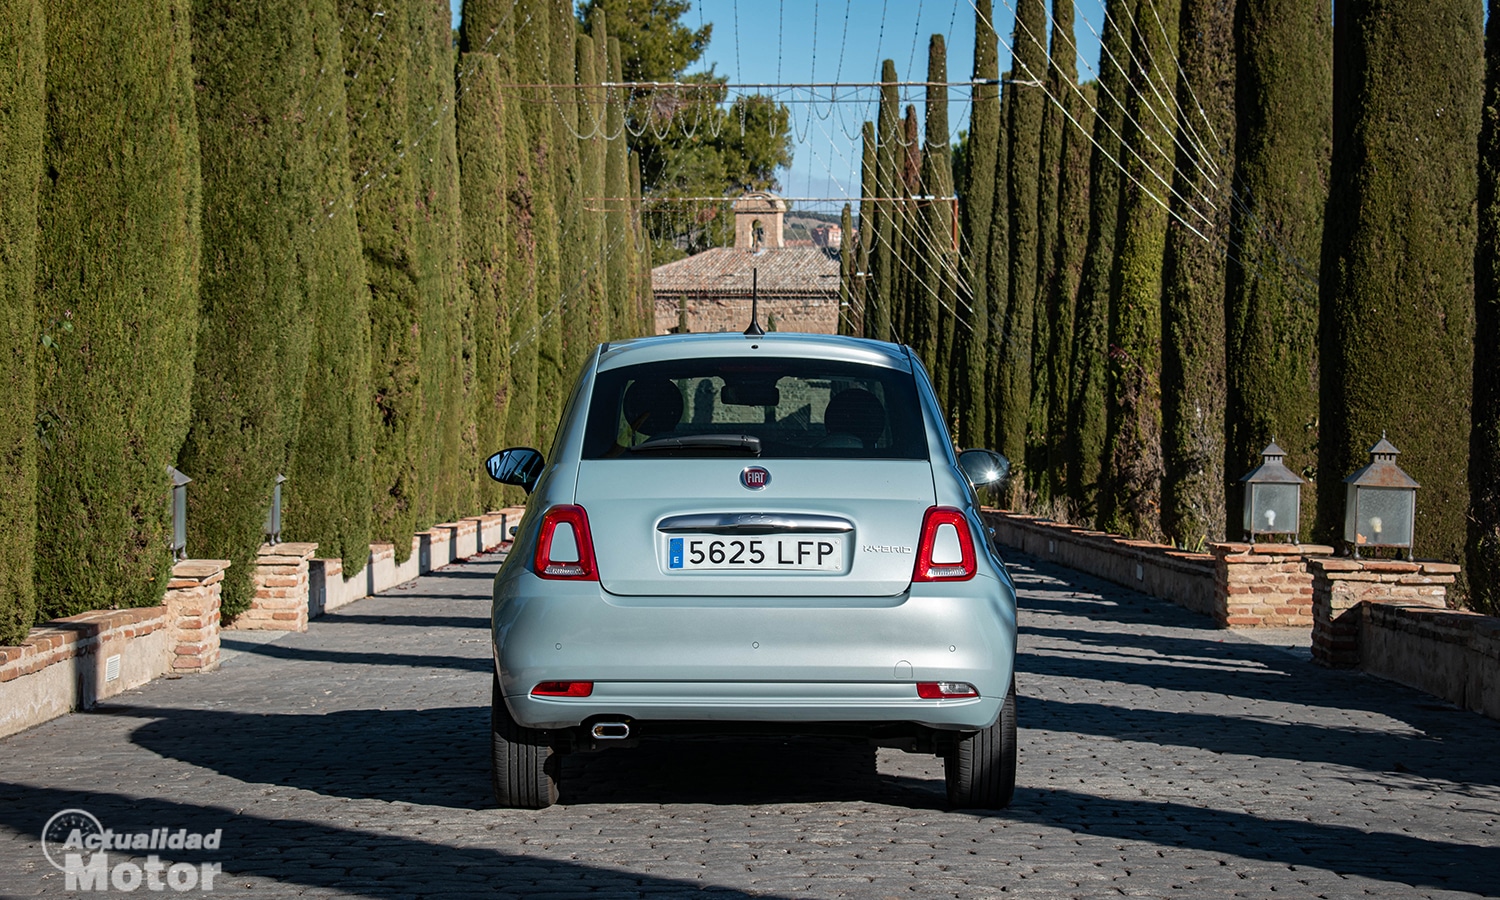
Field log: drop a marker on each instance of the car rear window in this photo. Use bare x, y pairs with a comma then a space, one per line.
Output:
768, 407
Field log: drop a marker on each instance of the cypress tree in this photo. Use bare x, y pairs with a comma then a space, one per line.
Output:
1062, 290
326, 498
997, 291
846, 272
460, 458
887, 180
1133, 438
937, 297
645, 303
377, 89
488, 26
1396, 336
1193, 277
1484, 441
253, 61
623, 254
484, 178
533, 55
1028, 71
1062, 78
117, 256
594, 304
578, 258
22, 91
445, 466
869, 225
1086, 381
1284, 121
908, 277
976, 205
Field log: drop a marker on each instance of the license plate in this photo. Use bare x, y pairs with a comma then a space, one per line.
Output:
770, 553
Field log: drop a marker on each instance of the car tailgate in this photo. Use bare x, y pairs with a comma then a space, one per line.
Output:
874, 507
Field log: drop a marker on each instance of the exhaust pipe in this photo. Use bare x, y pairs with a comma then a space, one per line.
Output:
610, 731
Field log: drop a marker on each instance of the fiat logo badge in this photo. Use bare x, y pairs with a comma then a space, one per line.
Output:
755, 478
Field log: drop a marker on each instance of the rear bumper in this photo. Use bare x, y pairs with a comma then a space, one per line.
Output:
762, 660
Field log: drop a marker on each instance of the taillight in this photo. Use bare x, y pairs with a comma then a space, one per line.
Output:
563, 689
946, 549
946, 690
564, 548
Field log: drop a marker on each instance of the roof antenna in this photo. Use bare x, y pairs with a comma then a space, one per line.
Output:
754, 330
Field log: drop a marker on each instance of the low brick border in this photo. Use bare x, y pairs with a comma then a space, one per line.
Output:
71, 663
1264, 585
63, 665
1452, 654
193, 599
1342, 588
1178, 576
281, 579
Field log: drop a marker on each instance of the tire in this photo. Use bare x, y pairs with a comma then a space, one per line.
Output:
980, 769
525, 766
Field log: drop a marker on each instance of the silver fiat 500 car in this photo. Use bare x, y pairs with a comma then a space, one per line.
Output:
753, 534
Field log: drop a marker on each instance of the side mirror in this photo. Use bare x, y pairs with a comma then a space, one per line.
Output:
984, 467
520, 466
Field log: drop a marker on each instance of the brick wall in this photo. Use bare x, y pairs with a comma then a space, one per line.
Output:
193, 599
1178, 576
281, 588
1264, 585
1341, 588
74, 662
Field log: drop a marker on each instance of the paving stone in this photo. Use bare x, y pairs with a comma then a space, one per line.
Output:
1160, 757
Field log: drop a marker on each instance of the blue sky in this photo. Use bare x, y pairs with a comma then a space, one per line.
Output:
796, 41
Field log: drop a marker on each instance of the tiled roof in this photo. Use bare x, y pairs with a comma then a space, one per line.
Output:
722, 272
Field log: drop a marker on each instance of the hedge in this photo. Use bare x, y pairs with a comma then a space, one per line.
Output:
1193, 280
1133, 451
327, 493
254, 61
22, 85
1086, 379
377, 88
1284, 126
483, 178
1484, 441
117, 255
1397, 328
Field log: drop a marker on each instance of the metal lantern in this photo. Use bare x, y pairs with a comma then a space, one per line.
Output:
273, 518
1273, 496
178, 505
1380, 504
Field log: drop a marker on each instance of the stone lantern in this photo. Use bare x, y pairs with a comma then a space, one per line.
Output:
1273, 497
1380, 504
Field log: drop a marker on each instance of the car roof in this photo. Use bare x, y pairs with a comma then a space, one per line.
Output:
667, 347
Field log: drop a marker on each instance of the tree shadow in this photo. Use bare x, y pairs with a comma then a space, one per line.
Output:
440, 757
352, 861
281, 650
742, 772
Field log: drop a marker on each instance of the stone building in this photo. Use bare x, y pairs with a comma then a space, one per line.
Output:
798, 287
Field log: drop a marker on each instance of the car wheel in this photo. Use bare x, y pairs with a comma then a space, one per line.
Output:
980, 769
524, 764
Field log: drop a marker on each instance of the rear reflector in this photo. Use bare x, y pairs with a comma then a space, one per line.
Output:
563, 689
564, 547
945, 551
946, 690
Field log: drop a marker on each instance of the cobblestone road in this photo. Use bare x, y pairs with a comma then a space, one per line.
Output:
1159, 758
